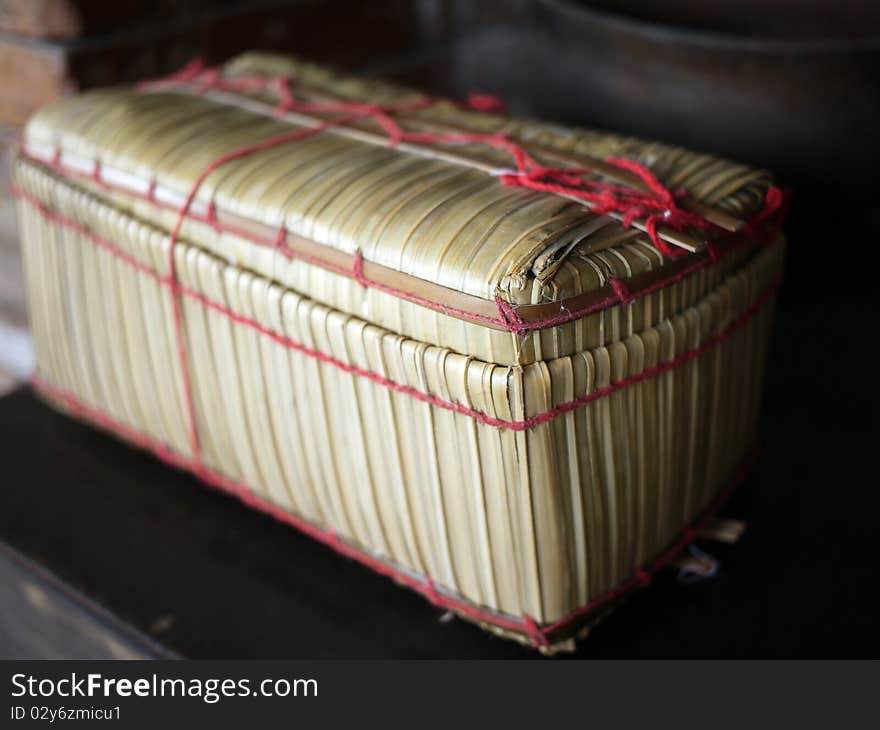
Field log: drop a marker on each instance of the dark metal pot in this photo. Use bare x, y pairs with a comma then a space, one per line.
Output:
790, 93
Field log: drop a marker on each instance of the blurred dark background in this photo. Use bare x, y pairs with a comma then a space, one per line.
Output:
790, 85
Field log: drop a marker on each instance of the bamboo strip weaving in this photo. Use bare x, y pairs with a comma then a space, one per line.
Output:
514, 367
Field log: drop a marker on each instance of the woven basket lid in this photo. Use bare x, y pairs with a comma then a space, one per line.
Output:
428, 221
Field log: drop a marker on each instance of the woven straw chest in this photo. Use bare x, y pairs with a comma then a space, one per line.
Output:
514, 366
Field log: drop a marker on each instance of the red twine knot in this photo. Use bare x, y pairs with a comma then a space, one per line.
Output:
508, 314
285, 95
207, 80
485, 103
280, 241
190, 71
642, 577
536, 636
620, 290
431, 592
211, 217
650, 200
358, 269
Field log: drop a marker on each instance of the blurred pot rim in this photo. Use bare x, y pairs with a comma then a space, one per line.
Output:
710, 40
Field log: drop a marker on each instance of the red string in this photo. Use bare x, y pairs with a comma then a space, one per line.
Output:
641, 576
280, 241
431, 593
172, 268
358, 269
485, 103
623, 293
657, 205
536, 636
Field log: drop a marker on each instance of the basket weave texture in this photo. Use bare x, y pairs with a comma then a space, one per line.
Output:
519, 401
